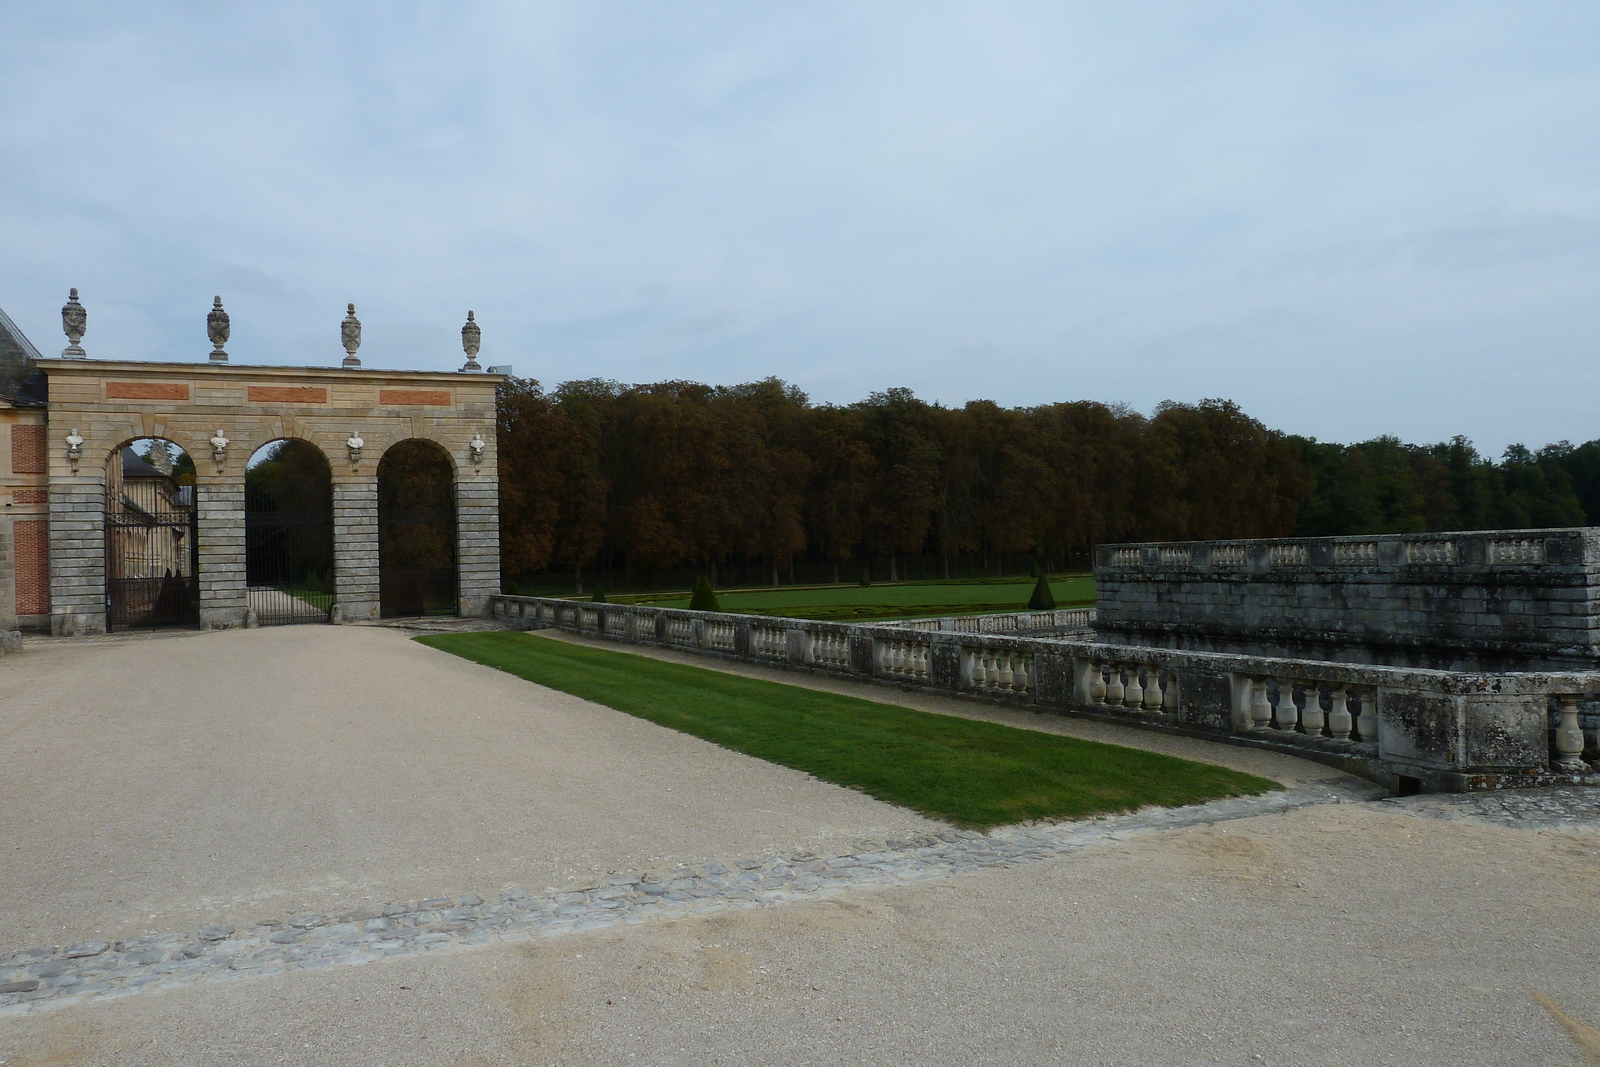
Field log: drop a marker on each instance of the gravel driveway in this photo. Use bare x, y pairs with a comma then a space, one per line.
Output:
231, 777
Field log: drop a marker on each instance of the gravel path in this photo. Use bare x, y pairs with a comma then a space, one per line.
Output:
721, 911
174, 782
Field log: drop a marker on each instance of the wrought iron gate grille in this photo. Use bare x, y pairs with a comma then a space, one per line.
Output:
288, 561
151, 554
417, 562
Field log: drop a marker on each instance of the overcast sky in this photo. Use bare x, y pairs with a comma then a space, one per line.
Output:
1352, 218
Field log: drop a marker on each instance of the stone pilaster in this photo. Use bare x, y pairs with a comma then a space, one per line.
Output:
477, 534
355, 543
220, 502
77, 549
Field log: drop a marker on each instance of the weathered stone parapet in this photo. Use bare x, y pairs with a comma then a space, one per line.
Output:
1403, 727
1489, 600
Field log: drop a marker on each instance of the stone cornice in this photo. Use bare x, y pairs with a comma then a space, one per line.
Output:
102, 368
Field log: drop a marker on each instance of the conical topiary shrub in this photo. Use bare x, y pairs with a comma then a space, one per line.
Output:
704, 599
1042, 599
599, 595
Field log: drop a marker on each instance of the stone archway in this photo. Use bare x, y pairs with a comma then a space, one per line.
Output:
417, 558
223, 414
152, 536
288, 533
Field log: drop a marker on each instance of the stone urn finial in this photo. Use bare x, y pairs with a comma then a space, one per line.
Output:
217, 329
471, 339
350, 334
74, 322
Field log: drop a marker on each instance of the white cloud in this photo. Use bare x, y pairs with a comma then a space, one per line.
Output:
1352, 218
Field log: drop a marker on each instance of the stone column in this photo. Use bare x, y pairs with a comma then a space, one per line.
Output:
355, 542
220, 503
77, 543
477, 532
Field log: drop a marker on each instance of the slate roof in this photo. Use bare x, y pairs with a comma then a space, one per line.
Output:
136, 466
21, 381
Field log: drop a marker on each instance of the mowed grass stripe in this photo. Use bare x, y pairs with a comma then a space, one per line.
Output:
966, 772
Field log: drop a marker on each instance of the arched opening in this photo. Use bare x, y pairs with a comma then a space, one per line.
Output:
151, 536
416, 531
288, 533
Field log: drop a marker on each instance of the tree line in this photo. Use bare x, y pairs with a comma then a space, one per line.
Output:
633, 482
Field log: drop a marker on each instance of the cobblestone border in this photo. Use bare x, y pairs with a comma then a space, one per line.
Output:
54, 977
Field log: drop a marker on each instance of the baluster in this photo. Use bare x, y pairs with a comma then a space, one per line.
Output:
1019, 675
1133, 694
1286, 714
1097, 684
1002, 677
922, 661
1367, 721
1339, 721
1569, 736
1114, 688
1152, 688
1169, 694
1311, 718
1260, 707
975, 668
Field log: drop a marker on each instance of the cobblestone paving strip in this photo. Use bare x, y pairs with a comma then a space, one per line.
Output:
53, 977
1562, 807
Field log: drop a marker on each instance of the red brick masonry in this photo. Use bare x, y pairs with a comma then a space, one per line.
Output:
287, 394
147, 391
420, 397
33, 566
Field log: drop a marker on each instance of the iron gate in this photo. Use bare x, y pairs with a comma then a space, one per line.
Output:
288, 561
152, 554
417, 561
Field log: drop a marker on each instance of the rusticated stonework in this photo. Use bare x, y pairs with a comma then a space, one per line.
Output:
194, 405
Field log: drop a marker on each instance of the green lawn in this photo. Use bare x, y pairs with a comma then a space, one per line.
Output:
899, 600
315, 597
970, 773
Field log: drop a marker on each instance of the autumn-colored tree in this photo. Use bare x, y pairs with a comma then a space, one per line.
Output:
648, 478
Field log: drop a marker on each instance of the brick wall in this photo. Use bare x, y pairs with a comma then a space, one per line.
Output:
33, 566
28, 450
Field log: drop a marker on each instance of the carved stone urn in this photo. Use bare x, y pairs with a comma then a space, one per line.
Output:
217, 329
471, 339
74, 322
350, 334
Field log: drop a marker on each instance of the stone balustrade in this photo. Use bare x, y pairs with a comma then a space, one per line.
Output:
1063, 620
1408, 728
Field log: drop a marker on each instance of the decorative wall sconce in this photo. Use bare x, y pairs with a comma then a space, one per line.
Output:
219, 448
355, 444
74, 448
475, 447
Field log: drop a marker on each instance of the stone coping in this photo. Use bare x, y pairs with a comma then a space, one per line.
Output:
1464, 683
202, 369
